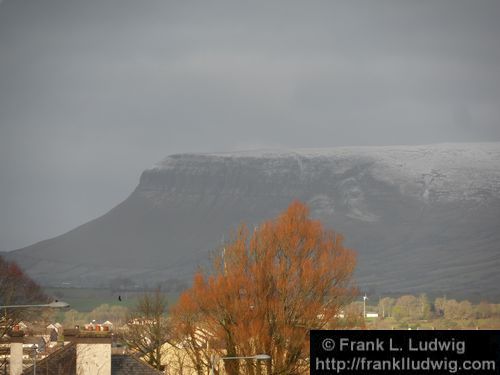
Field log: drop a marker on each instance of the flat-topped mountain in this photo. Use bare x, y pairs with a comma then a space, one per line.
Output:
422, 218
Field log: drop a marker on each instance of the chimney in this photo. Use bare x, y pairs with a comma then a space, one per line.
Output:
16, 352
93, 351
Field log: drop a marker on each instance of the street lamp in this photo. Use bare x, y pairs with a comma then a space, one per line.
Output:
52, 305
34, 347
214, 359
364, 306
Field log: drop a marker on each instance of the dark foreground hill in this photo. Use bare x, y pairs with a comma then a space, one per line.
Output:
422, 218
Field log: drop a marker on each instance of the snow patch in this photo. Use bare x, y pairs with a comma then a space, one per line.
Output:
439, 172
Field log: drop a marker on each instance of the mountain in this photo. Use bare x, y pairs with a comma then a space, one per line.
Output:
422, 218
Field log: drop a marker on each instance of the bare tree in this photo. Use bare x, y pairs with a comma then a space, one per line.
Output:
16, 288
148, 328
385, 306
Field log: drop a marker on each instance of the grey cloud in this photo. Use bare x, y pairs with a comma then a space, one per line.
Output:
94, 91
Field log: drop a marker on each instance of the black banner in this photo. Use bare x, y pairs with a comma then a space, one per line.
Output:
405, 352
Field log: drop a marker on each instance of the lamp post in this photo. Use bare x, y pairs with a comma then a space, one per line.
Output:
34, 347
214, 359
53, 305
364, 306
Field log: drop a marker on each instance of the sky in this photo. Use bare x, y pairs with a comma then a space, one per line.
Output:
92, 92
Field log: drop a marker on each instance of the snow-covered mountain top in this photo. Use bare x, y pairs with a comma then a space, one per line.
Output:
445, 171
467, 150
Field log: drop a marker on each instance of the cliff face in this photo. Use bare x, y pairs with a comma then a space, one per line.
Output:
422, 218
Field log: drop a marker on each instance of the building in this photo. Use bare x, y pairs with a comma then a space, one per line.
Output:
83, 353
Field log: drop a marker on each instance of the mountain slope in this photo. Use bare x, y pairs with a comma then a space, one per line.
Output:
422, 218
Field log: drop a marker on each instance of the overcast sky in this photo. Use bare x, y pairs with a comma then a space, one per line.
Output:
94, 91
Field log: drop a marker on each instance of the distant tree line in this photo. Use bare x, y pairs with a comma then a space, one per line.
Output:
421, 308
116, 314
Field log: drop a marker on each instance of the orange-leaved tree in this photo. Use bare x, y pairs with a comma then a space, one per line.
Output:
268, 288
